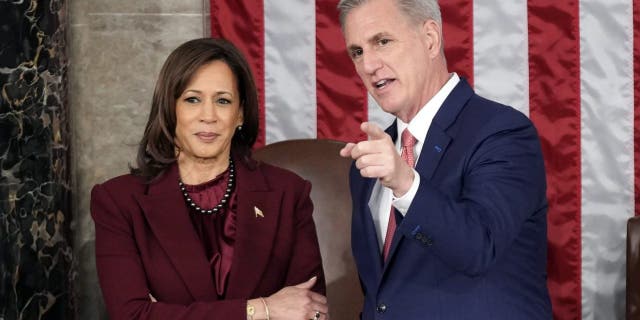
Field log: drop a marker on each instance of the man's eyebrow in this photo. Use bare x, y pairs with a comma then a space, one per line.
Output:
373, 39
353, 47
378, 36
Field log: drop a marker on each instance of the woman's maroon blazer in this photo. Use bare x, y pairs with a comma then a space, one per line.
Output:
146, 244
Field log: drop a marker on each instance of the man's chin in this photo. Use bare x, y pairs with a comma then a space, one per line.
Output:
390, 108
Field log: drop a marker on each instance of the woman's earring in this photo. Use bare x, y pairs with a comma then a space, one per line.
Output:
239, 133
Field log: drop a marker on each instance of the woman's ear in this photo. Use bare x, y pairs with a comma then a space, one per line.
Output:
241, 116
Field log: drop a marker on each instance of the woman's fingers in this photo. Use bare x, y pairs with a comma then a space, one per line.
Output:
318, 297
320, 307
297, 302
307, 284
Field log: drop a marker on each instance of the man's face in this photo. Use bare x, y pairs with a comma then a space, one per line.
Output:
392, 56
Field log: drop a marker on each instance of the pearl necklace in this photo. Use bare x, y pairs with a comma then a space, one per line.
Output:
223, 201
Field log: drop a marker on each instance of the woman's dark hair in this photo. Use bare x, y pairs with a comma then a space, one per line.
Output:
157, 149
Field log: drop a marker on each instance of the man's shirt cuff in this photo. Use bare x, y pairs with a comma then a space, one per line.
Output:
402, 204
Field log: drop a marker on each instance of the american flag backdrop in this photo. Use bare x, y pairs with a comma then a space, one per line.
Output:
571, 65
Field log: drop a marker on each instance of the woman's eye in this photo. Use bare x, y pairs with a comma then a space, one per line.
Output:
224, 101
192, 100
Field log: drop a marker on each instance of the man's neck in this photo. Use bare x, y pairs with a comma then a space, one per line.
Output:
408, 114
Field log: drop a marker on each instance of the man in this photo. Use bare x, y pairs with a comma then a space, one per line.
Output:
466, 238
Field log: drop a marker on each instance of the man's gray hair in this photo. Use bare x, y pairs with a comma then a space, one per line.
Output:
417, 11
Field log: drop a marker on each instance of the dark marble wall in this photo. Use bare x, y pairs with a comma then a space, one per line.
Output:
36, 258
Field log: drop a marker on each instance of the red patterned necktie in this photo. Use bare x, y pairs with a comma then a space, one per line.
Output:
408, 142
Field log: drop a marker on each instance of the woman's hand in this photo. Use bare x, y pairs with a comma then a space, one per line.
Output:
297, 302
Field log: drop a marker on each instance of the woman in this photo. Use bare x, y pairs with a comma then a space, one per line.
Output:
199, 230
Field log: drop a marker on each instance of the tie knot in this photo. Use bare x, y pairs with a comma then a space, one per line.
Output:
407, 140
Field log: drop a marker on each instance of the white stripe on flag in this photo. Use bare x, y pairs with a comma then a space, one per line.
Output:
377, 115
606, 69
290, 70
501, 55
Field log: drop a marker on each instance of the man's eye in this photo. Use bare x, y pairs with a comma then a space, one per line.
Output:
356, 53
192, 100
383, 42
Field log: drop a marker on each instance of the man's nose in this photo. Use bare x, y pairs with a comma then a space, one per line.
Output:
371, 62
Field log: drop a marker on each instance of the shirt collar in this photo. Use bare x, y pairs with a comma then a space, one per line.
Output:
419, 125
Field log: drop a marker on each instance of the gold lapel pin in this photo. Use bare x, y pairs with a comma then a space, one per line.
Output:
258, 212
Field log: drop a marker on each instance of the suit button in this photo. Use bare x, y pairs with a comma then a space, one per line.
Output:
381, 308
419, 236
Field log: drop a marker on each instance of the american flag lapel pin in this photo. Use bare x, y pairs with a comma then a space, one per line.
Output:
258, 212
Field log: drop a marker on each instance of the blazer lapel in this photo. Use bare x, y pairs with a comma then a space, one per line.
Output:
432, 150
370, 238
257, 222
168, 217
436, 142
397, 237
438, 138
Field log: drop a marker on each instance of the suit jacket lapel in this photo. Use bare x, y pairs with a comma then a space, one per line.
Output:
397, 237
432, 150
168, 217
438, 139
436, 142
370, 240
370, 236
255, 233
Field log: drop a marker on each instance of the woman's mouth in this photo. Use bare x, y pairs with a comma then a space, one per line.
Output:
207, 136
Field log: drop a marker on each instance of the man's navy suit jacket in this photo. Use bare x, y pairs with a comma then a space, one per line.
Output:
473, 244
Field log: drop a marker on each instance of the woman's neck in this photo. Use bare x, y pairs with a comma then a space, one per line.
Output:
200, 170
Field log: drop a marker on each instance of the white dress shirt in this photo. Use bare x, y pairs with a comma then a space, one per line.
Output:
382, 197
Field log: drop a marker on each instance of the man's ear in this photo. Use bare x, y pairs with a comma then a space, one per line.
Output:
432, 33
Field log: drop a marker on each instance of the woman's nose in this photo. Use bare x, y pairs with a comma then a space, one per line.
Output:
208, 113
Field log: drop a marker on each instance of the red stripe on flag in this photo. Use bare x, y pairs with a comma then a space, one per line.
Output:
636, 101
242, 22
554, 87
457, 20
341, 96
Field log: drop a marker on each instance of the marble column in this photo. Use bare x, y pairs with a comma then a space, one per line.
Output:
116, 49
36, 259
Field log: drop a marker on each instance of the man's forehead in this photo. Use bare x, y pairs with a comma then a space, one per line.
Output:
366, 34
363, 29
369, 20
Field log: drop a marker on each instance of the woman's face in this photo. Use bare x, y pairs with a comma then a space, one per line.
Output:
207, 114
